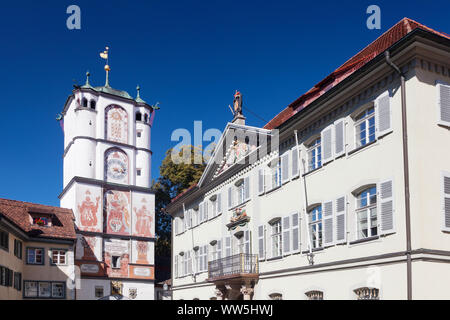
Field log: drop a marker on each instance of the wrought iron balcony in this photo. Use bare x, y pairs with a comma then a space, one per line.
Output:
241, 265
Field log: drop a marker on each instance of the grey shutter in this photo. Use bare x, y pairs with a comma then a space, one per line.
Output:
219, 249
327, 140
295, 227
230, 197
295, 167
176, 266
247, 242
200, 260
189, 259
206, 209
327, 210
285, 167
205, 257
219, 203
228, 246
386, 194
261, 181
261, 243
341, 232
444, 104
286, 235
339, 136
247, 188
383, 109
176, 222
446, 201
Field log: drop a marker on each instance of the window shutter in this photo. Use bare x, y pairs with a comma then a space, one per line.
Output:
189, 265
383, 114
219, 203
205, 258
261, 181
327, 223
285, 167
295, 168
200, 259
247, 188
444, 104
228, 246
261, 242
176, 266
386, 192
295, 232
206, 209
286, 238
230, 197
341, 232
327, 140
446, 201
200, 213
219, 249
247, 242
339, 136
183, 224
189, 219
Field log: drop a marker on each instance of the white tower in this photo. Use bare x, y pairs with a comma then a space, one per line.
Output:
107, 159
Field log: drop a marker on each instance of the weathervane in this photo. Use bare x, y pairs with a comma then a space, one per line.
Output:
105, 55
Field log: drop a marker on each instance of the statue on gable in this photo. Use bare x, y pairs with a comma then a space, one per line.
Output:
237, 104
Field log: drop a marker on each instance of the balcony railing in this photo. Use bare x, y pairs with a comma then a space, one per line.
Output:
232, 266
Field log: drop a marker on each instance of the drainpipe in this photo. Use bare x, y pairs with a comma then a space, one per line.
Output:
405, 173
305, 200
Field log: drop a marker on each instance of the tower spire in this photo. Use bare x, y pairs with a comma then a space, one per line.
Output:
87, 79
105, 55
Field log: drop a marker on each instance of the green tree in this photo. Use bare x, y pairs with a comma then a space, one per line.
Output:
175, 177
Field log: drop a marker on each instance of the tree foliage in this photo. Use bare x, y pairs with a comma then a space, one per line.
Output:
175, 177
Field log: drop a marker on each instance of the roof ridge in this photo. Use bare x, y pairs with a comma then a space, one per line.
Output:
27, 203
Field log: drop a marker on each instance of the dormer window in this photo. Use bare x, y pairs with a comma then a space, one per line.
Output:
40, 220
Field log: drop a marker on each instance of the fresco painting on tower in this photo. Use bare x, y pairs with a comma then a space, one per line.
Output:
89, 208
142, 252
116, 166
117, 211
117, 256
143, 215
89, 248
116, 124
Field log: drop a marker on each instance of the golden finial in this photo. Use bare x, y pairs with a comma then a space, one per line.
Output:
105, 55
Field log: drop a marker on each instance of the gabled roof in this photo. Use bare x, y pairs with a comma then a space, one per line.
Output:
213, 161
18, 213
381, 44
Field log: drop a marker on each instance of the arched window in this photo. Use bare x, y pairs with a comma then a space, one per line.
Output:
84, 103
366, 213
116, 166
276, 296
146, 118
116, 124
314, 295
366, 293
93, 104
138, 116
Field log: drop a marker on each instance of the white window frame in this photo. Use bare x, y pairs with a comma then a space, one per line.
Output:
318, 222
276, 241
367, 210
366, 119
313, 161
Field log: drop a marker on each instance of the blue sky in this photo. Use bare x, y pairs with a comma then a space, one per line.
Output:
188, 55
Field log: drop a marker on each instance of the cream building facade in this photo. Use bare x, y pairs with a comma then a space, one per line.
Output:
352, 203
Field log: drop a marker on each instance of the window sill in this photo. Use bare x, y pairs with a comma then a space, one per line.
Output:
239, 205
272, 190
313, 250
362, 147
312, 171
86, 109
364, 240
274, 258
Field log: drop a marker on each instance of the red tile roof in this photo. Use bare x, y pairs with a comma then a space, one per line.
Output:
184, 192
18, 212
394, 34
